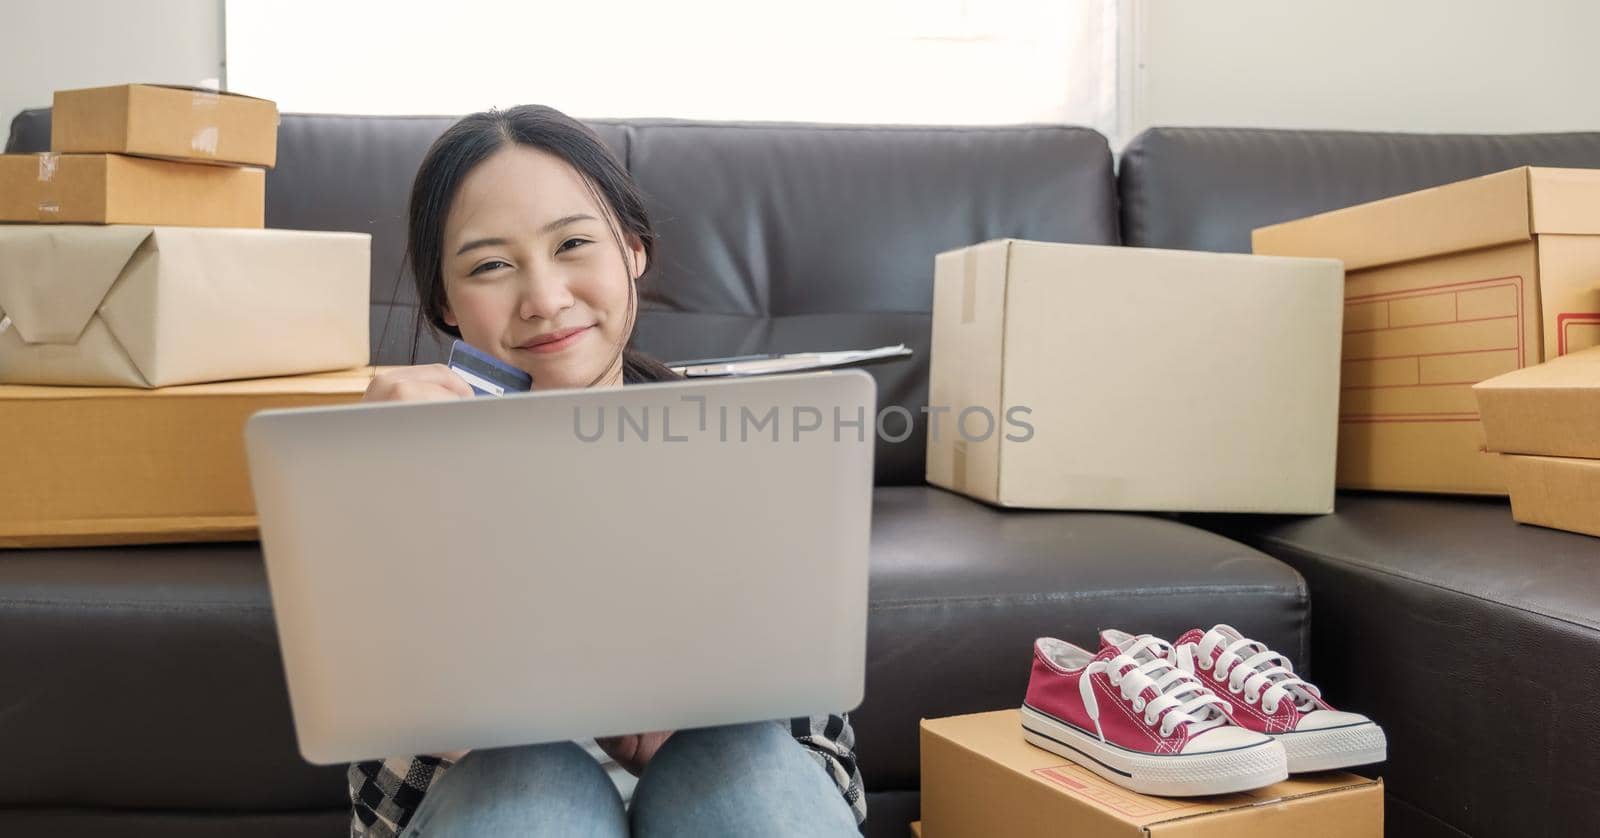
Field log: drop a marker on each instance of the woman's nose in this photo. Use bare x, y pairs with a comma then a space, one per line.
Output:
544, 295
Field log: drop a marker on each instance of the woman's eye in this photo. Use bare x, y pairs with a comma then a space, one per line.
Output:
574, 243
492, 264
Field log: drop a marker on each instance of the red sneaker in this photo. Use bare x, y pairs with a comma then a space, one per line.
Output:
1132, 717
1268, 698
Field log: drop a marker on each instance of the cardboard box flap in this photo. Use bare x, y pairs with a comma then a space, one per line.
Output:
191, 88
1578, 370
42, 308
1565, 201
205, 90
353, 380
1552, 408
1467, 215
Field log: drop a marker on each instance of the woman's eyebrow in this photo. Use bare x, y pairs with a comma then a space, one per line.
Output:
554, 225
490, 242
565, 220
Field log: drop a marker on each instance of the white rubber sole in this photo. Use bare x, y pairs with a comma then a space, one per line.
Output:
1163, 775
1336, 747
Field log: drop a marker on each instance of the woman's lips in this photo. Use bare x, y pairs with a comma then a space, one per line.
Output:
565, 340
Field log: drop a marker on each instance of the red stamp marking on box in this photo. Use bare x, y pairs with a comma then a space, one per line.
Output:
1126, 802
1572, 318
1451, 291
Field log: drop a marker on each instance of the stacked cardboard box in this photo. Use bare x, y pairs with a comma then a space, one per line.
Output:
981, 778
146, 154
1447, 287
120, 465
134, 278
1080, 377
1545, 423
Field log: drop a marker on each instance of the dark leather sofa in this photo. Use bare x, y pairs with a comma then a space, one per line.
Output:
1474, 639
141, 691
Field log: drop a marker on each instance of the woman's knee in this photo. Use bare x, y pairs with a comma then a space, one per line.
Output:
732, 744
529, 772
555, 789
564, 758
738, 780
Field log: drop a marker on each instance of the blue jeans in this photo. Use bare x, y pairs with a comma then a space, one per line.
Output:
739, 780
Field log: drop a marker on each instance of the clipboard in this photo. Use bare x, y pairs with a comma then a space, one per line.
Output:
774, 364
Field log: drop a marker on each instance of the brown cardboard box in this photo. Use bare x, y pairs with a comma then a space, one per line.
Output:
181, 123
114, 189
1148, 379
1558, 492
980, 779
87, 465
1444, 288
1551, 409
134, 306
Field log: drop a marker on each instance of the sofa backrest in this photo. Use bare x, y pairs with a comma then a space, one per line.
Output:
1207, 188
772, 237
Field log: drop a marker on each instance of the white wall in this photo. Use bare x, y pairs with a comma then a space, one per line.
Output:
1396, 65
1404, 65
47, 45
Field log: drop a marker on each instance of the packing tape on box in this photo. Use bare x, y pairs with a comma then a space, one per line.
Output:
204, 140
969, 285
49, 208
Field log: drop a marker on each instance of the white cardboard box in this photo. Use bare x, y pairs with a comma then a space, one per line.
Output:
1126, 378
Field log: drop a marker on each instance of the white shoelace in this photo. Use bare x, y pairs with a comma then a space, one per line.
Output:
1183, 698
1252, 669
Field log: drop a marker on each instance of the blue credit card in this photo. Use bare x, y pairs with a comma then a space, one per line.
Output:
486, 374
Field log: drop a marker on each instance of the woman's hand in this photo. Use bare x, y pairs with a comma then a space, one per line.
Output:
635, 750
425, 383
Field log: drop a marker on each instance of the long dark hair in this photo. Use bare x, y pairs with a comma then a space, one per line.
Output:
473, 139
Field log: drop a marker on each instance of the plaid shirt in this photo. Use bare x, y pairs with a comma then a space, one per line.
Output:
384, 794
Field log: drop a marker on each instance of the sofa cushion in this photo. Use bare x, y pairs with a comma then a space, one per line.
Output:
150, 679
1207, 188
1472, 639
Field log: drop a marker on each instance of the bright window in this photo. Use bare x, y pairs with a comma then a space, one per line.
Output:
868, 61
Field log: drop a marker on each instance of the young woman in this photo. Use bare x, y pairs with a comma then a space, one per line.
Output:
527, 239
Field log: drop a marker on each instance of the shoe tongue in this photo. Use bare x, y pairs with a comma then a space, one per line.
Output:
1123, 641
1227, 632
1119, 640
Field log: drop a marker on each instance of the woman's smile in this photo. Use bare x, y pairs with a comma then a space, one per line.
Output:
556, 341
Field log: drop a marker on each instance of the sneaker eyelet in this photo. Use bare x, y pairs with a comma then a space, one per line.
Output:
1149, 722
1204, 662
1269, 710
1235, 690
1138, 702
1165, 731
1251, 699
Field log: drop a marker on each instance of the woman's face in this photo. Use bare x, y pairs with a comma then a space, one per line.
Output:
532, 273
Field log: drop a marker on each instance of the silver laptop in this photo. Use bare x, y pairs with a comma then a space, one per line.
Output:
561, 565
